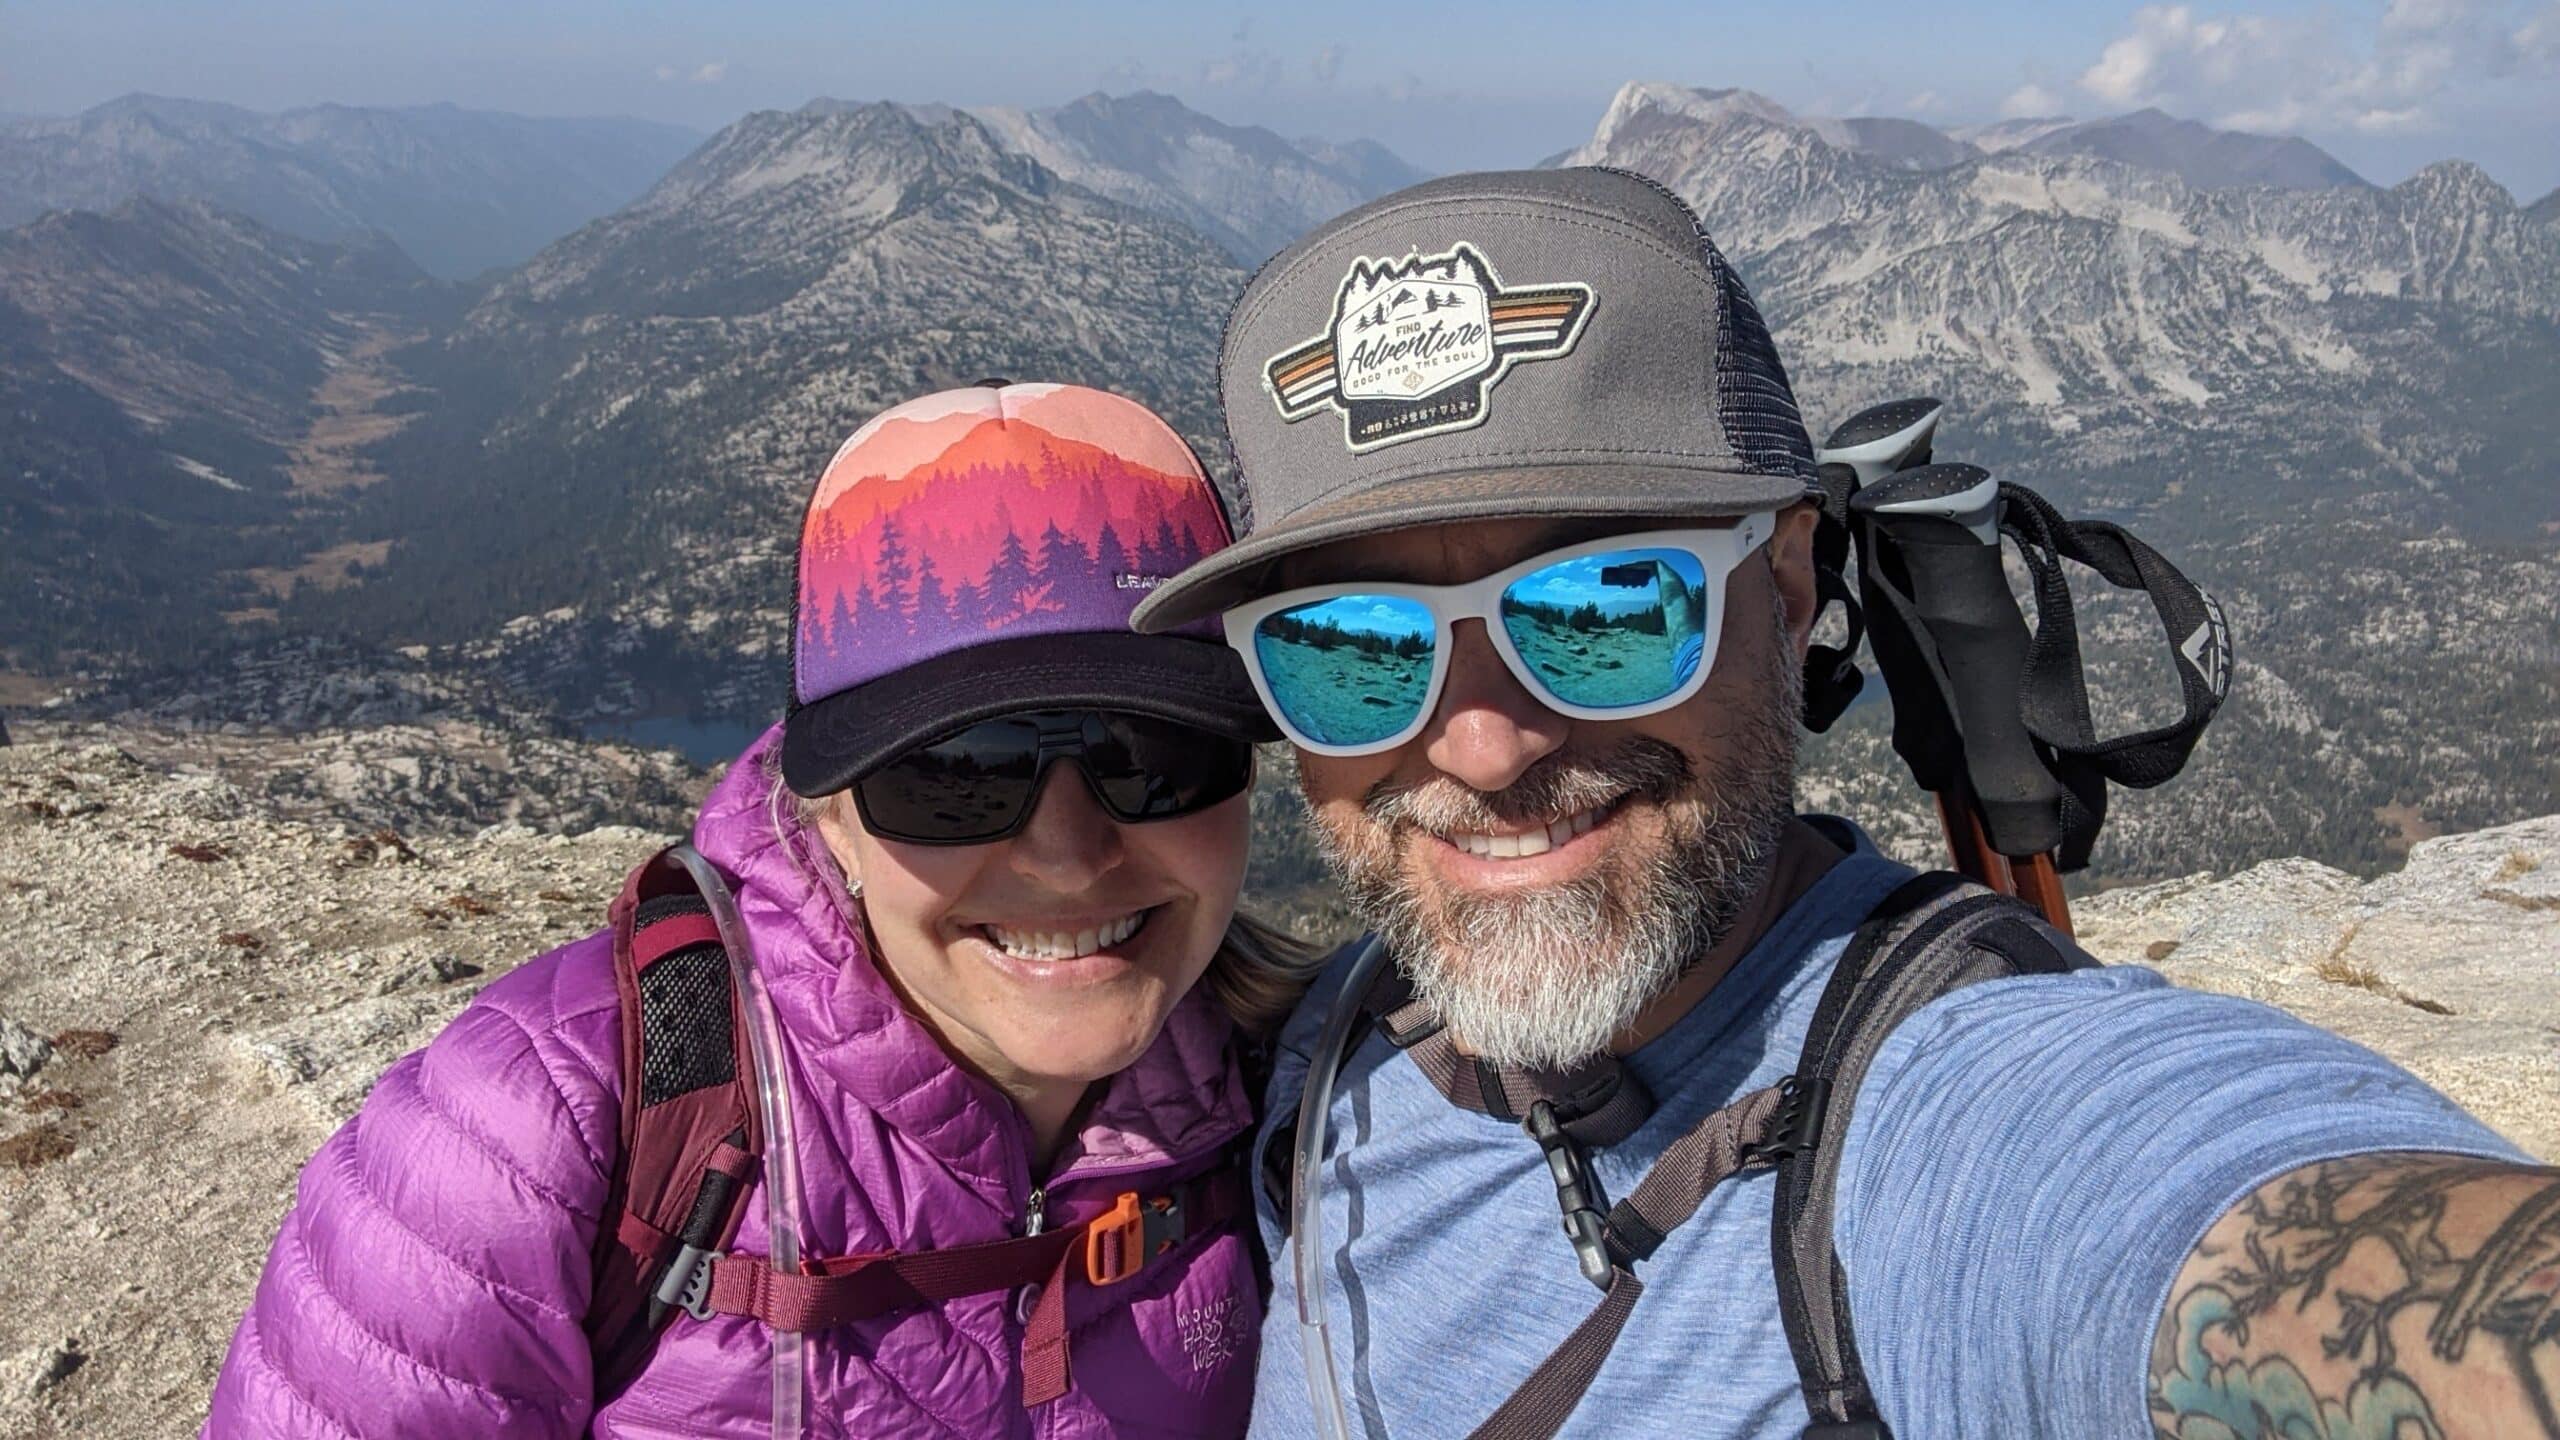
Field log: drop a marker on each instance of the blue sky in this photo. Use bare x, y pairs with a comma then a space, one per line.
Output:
2386, 87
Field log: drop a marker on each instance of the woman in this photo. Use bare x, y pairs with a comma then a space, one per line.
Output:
987, 866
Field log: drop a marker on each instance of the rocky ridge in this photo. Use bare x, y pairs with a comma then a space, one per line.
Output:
204, 978
409, 739
2198, 154
2446, 965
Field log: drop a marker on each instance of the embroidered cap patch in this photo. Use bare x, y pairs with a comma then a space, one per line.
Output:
1417, 344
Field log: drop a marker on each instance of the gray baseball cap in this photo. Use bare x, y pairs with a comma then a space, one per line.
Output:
1559, 343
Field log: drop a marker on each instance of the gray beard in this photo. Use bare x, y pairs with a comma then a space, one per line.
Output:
1546, 979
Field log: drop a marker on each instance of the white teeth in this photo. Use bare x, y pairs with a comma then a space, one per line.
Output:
1534, 842
1061, 945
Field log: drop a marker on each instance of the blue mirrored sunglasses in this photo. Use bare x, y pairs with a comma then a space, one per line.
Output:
1605, 630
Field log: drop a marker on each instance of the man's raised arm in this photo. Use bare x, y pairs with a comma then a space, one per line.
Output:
2385, 1295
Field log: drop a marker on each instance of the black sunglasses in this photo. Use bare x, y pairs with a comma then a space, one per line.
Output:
978, 785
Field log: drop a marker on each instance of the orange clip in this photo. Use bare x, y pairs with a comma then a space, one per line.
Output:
1125, 1222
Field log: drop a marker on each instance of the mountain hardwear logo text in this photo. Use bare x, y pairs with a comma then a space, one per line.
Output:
1208, 1333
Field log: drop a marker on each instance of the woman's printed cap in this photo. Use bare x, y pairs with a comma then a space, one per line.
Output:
978, 552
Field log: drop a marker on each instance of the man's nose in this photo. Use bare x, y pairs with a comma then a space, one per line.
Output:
1488, 728
1070, 841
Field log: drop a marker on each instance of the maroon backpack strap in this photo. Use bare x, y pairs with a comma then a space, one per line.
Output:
1105, 1250
690, 1133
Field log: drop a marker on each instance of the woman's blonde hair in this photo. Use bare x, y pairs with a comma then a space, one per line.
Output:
1256, 975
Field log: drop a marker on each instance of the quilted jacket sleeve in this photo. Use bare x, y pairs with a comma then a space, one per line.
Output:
431, 1275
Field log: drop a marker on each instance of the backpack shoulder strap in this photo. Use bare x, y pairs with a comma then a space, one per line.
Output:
691, 1138
1934, 935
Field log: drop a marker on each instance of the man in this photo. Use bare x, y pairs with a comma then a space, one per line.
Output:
2078, 1204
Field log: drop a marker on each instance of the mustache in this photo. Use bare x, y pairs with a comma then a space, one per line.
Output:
1560, 784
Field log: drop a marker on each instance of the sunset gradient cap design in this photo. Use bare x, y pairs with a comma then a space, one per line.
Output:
978, 552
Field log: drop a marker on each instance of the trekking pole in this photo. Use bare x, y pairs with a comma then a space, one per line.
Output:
1882, 439
1930, 543
1867, 448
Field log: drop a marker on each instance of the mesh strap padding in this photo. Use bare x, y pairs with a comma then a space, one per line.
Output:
686, 1023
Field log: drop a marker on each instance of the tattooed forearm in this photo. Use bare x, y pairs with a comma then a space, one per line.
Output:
2383, 1296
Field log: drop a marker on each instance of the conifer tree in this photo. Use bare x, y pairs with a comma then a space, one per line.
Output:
1110, 557
840, 627
1009, 579
861, 622
1162, 553
968, 607
1064, 565
896, 572
932, 615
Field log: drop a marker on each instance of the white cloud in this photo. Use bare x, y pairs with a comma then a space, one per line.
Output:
2537, 40
2030, 101
712, 73
1328, 64
2317, 70
1247, 68
1924, 102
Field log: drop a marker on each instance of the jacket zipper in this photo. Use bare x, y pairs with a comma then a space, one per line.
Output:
1035, 1211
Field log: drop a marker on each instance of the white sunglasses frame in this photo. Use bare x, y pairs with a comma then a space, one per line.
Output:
1720, 552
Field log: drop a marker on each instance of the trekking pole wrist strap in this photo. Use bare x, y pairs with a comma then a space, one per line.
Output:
2053, 694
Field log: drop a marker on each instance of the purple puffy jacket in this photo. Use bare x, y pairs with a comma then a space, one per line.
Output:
431, 1276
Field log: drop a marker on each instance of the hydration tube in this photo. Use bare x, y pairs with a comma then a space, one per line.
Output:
773, 1103
1306, 1191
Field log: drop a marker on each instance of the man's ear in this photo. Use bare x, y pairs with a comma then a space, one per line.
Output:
1791, 572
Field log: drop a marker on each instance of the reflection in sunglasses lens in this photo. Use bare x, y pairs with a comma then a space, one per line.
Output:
970, 783
1351, 670
1155, 768
1625, 627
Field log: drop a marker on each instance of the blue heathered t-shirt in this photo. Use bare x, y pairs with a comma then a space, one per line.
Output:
2029, 1164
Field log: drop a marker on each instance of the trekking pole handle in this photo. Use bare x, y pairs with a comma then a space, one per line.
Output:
1944, 520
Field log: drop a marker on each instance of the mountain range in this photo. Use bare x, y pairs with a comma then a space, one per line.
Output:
656, 393
2149, 139
2198, 154
1242, 186
461, 191
2333, 406
2329, 400
2082, 309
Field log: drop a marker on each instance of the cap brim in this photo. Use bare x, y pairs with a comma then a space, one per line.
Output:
1240, 572
829, 744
